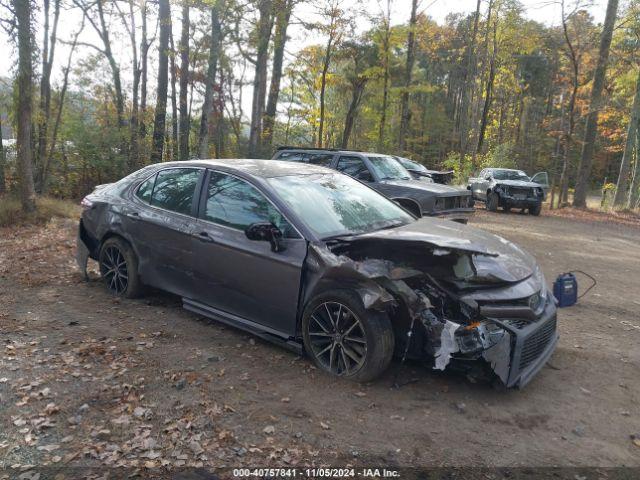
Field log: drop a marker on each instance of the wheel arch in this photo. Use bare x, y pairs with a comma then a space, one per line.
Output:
410, 205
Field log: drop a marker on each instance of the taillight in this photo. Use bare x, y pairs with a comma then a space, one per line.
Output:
86, 204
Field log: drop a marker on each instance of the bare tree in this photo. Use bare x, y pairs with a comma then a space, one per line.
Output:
405, 113
263, 31
283, 10
335, 21
61, 97
386, 47
22, 11
210, 80
574, 55
3, 159
621, 196
129, 22
145, 43
491, 78
184, 82
175, 147
48, 52
591, 128
101, 27
163, 73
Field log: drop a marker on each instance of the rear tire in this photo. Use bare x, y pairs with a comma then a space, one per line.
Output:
344, 339
535, 210
492, 202
506, 209
119, 268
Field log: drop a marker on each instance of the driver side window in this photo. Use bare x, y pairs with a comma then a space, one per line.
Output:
235, 203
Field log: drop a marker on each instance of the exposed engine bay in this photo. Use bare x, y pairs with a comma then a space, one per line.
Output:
452, 305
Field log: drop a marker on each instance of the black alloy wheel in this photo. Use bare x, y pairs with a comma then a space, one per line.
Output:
119, 268
338, 340
113, 268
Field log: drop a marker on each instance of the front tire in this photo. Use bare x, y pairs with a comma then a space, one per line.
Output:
492, 202
119, 268
344, 339
535, 210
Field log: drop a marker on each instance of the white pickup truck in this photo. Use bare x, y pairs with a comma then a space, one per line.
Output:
508, 188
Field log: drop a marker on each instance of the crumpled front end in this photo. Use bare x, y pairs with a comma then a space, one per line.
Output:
458, 309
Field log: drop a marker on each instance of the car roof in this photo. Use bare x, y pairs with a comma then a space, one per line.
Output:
255, 167
333, 151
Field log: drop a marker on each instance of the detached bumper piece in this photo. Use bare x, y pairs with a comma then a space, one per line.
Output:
530, 345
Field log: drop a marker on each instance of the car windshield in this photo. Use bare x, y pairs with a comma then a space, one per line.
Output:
387, 168
333, 204
510, 175
411, 165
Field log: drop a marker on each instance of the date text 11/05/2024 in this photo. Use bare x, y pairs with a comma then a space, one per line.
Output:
315, 472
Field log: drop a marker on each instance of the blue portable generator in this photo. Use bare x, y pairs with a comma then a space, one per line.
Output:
565, 289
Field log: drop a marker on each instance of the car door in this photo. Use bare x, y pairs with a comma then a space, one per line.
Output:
355, 167
542, 178
161, 227
482, 184
239, 276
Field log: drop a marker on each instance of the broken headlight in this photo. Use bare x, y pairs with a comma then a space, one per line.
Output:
479, 337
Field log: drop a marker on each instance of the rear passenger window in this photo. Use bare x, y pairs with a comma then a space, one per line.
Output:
174, 189
145, 189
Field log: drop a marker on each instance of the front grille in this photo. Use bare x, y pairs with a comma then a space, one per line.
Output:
451, 203
518, 323
535, 344
520, 191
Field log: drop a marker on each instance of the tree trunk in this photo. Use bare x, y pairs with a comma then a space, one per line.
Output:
207, 104
48, 52
625, 167
161, 95
3, 160
144, 57
22, 10
467, 83
103, 31
134, 149
356, 97
323, 88
175, 149
265, 25
488, 98
405, 112
184, 82
283, 14
385, 77
591, 128
56, 125
634, 191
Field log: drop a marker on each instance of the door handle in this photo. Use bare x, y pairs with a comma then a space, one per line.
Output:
205, 237
133, 215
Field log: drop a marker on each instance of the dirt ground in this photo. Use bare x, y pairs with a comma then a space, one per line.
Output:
87, 379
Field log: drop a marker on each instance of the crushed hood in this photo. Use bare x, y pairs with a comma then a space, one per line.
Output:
493, 257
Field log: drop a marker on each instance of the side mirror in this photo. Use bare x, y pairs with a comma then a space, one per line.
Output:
266, 232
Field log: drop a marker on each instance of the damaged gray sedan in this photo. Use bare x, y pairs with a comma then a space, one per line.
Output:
316, 261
